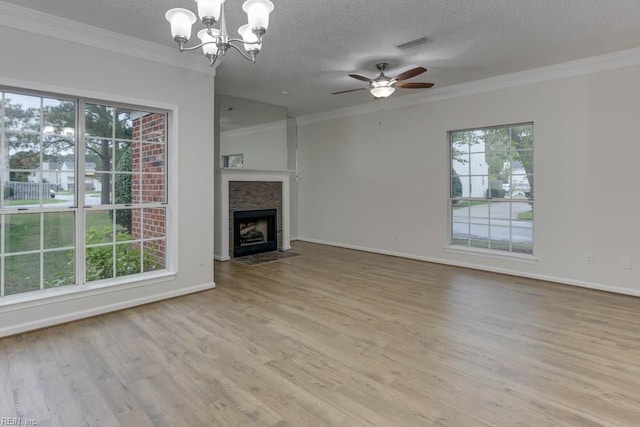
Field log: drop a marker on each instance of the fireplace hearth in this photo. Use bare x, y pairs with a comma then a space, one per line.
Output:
254, 231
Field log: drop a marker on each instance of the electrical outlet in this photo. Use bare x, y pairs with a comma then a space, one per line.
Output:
588, 259
627, 263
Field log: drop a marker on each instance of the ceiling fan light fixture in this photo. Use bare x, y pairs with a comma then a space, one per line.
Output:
382, 91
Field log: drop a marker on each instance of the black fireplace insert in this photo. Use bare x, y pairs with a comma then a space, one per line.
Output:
254, 232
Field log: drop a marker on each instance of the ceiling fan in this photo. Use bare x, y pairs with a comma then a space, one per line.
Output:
383, 86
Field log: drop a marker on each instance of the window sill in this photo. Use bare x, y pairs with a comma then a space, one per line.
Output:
71, 292
487, 253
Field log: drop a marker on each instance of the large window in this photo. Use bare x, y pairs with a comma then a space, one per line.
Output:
75, 210
491, 195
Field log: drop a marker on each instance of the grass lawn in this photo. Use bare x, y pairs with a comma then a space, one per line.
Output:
522, 248
528, 215
32, 202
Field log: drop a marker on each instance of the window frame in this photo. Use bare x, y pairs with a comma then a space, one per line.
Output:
462, 248
79, 208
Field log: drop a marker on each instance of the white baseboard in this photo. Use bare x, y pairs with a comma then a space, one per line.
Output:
221, 258
560, 280
97, 310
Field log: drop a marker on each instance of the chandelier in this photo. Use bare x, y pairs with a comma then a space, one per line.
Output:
216, 41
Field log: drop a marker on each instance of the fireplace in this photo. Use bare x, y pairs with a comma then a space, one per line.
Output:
254, 231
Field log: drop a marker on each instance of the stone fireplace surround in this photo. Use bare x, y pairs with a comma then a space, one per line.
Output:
248, 188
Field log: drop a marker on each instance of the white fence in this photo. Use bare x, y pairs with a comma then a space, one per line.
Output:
15, 190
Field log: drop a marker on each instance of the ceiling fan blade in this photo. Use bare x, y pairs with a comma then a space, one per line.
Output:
409, 74
350, 90
363, 78
414, 85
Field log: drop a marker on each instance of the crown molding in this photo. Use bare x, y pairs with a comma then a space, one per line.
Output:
595, 64
24, 19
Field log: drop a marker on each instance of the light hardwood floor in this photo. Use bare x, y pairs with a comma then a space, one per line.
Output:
344, 338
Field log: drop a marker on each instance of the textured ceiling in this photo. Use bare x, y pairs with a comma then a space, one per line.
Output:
312, 45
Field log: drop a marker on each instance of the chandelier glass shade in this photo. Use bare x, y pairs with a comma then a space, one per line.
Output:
216, 41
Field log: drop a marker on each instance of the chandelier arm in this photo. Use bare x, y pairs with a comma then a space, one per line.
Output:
251, 58
188, 49
258, 42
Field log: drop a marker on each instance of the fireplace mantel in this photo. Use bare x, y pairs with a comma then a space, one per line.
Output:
228, 175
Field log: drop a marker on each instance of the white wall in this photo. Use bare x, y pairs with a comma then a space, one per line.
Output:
385, 187
38, 62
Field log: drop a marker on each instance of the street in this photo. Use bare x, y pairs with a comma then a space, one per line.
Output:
501, 223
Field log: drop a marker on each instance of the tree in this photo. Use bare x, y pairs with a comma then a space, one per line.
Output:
456, 184
123, 189
23, 160
99, 123
102, 124
517, 138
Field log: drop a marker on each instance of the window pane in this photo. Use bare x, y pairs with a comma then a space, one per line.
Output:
101, 189
522, 137
522, 240
99, 226
153, 127
23, 156
479, 186
456, 185
125, 123
22, 112
522, 212
99, 154
460, 230
99, 121
151, 188
122, 185
521, 186
152, 156
59, 268
22, 232
59, 116
99, 263
500, 213
460, 152
128, 259
58, 150
154, 255
154, 223
500, 236
123, 223
21, 273
460, 210
476, 141
59, 230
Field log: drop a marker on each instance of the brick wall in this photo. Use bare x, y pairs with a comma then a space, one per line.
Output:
148, 156
251, 195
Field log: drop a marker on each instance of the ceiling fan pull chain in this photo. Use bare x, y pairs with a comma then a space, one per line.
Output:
381, 111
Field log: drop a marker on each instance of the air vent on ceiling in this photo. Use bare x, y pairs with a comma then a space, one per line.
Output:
413, 43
